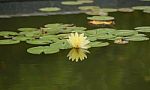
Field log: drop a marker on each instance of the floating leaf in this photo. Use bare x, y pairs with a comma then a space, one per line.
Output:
146, 11
21, 38
140, 7
62, 44
144, 30
105, 36
143, 27
136, 38
108, 10
98, 44
89, 8
72, 2
51, 50
54, 25
9, 41
27, 29
121, 33
103, 18
62, 36
38, 41
92, 38
50, 9
51, 30
30, 34
86, 1
52, 38
73, 29
42, 49
125, 10
105, 31
7, 33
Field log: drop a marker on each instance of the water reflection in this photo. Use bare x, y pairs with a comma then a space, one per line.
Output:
77, 54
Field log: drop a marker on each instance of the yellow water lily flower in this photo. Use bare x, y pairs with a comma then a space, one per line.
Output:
77, 54
78, 41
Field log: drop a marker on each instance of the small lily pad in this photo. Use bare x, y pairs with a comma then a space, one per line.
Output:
138, 38
146, 11
72, 2
125, 10
89, 8
108, 10
140, 7
98, 44
42, 49
106, 36
38, 42
91, 38
9, 41
62, 44
50, 9
121, 33
86, 1
143, 27
144, 30
21, 38
54, 25
103, 18
7, 33
27, 29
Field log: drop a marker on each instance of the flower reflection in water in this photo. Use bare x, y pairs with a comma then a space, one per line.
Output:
77, 54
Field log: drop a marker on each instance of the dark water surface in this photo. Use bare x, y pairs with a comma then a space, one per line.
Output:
115, 67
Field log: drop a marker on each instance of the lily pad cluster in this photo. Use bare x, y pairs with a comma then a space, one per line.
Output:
53, 37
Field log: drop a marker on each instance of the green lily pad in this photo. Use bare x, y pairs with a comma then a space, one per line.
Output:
87, 1
146, 11
92, 39
51, 30
140, 7
9, 41
51, 50
139, 35
62, 36
105, 31
50, 9
52, 38
102, 18
136, 38
143, 27
7, 33
30, 34
73, 29
108, 10
125, 10
27, 29
72, 2
90, 32
42, 49
54, 25
105, 36
38, 42
121, 33
144, 30
21, 38
89, 8
98, 44
62, 44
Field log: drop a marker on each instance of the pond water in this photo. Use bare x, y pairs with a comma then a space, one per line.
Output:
115, 67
